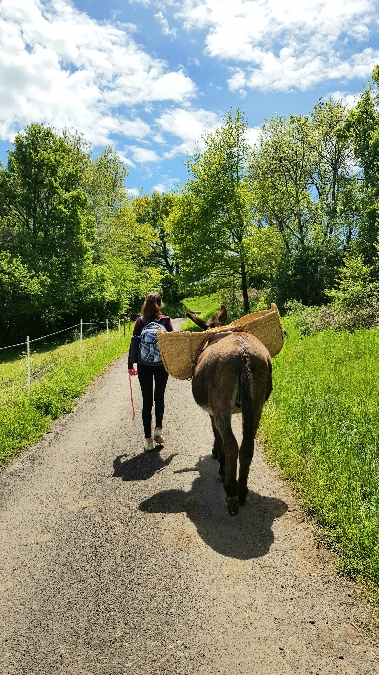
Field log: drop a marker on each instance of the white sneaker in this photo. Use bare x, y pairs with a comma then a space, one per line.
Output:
148, 445
158, 438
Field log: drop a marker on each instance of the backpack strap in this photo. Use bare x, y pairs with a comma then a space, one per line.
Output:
162, 319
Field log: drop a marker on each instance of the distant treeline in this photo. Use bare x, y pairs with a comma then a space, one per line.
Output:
294, 217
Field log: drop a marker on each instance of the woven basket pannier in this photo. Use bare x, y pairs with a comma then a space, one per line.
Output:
179, 350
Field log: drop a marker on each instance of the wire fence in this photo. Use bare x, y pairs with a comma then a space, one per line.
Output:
80, 331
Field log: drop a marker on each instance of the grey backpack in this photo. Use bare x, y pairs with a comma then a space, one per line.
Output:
149, 354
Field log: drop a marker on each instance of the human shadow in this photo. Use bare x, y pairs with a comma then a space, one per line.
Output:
139, 467
245, 536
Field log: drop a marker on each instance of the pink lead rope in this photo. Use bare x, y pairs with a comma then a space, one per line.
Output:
131, 395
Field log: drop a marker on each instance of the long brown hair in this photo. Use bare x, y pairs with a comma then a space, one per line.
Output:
151, 308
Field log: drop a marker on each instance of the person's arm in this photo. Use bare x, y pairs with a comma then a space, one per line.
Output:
137, 330
168, 325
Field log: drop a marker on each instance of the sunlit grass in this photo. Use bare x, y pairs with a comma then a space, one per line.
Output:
58, 378
207, 306
321, 426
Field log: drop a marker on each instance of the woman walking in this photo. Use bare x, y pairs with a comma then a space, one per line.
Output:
152, 375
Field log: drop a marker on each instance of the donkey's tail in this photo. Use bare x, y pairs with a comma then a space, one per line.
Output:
247, 403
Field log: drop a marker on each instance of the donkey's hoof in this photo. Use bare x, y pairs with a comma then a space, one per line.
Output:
232, 504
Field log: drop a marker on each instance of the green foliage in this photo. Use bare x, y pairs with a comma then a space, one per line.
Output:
320, 426
281, 169
154, 212
353, 285
43, 228
58, 379
298, 173
287, 219
208, 305
354, 301
70, 245
21, 291
264, 252
211, 219
43, 220
362, 129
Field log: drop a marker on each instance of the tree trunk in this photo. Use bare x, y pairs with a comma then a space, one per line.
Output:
246, 305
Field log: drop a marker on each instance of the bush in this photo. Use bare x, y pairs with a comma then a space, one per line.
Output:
315, 319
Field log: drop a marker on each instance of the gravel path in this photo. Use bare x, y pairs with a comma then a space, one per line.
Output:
115, 562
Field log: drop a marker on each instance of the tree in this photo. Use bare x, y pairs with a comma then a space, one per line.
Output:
281, 172
213, 215
67, 229
154, 211
361, 128
298, 174
122, 253
43, 216
20, 295
334, 168
265, 255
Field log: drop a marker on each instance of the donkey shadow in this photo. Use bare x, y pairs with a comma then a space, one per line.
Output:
245, 536
139, 467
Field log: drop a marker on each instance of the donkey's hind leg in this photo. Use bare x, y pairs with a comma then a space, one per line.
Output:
250, 427
229, 456
245, 457
218, 450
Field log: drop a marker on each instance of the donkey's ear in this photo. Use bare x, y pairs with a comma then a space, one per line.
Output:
197, 320
222, 315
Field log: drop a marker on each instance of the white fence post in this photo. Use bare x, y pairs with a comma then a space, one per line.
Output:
28, 364
107, 330
81, 341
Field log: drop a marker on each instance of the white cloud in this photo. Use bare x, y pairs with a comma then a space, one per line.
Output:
59, 66
286, 44
133, 192
126, 159
145, 3
158, 138
348, 99
159, 188
164, 25
189, 125
167, 184
253, 135
238, 80
143, 155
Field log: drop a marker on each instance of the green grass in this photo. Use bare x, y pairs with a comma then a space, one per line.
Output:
321, 426
58, 378
207, 305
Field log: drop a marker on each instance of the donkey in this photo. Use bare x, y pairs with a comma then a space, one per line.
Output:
232, 373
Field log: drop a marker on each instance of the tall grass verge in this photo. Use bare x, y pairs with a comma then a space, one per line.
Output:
321, 426
59, 379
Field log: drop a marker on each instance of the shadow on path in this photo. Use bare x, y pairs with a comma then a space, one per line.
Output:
139, 467
247, 535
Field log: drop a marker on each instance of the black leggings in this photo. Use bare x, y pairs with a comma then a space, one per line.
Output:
146, 376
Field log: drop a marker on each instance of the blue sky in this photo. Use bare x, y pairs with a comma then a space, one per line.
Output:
152, 77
